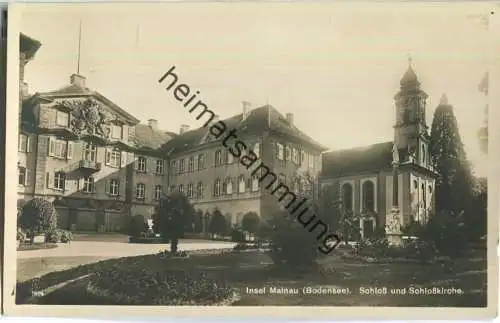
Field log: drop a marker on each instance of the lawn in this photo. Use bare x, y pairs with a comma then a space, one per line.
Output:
255, 270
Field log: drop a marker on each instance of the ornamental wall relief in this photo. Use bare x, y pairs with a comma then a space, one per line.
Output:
89, 117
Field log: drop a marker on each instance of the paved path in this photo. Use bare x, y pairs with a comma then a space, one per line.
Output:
110, 250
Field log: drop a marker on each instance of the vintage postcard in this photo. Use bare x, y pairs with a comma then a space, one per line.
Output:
301, 160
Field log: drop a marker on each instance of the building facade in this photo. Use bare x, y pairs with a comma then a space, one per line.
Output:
204, 170
91, 158
390, 178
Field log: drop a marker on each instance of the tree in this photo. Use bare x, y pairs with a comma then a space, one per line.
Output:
137, 226
292, 246
454, 182
218, 223
38, 216
480, 208
250, 222
171, 216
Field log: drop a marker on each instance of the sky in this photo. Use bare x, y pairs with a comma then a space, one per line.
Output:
335, 67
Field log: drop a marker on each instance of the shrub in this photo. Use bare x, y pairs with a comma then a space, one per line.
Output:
237, 235
218, 223
291, 244
250, 222
53, 236
137, 226
171, 217
38, 216
66, 236
21, 235
445, 233
145, 286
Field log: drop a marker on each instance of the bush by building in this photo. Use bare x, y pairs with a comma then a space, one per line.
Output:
38, 216
137, 226
171, 217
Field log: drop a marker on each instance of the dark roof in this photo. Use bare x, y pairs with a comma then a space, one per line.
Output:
255, 123
149, 138
360, 159
28, 46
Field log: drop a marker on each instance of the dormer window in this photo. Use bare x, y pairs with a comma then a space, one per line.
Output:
62, 119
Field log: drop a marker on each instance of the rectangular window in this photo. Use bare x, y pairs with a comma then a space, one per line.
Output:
116, 132
88, 184
311, 161
140, 191
22, 175
159, 167
141, 164
280, 152
59, 180
113, 157
158, 192
201, 161
181, 166
62, 119
60, 149
89, 152
191, 164
114, 187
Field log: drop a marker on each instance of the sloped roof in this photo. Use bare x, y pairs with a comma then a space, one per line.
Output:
255, 123
360, 159
74, 90
28, 46
149, 138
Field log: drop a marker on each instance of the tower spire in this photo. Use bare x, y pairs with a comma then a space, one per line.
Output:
410, 60
79, 48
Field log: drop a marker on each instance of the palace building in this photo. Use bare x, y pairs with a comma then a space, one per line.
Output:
100, 166
388, 183
208, 174
91, 158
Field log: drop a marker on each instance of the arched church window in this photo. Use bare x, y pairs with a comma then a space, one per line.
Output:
347, 196
368, 196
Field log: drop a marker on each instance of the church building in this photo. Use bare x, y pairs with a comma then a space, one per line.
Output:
387, 185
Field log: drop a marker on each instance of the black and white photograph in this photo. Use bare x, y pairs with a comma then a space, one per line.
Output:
248, 156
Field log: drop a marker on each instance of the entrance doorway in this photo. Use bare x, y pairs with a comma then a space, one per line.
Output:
367, 227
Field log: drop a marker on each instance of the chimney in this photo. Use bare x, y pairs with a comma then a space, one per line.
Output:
77, 80
289, 118
247, 106
184, 128
153, 124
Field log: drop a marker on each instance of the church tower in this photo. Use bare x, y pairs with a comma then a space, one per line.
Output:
411, 130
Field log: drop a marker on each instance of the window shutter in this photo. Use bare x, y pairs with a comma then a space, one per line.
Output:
123, 159
153, 191
69, 151
50, 180
107, 184
147, 165
27, 177
107, 156
28, 143
52, 146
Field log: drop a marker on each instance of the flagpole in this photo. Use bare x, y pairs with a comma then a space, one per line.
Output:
79, 48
